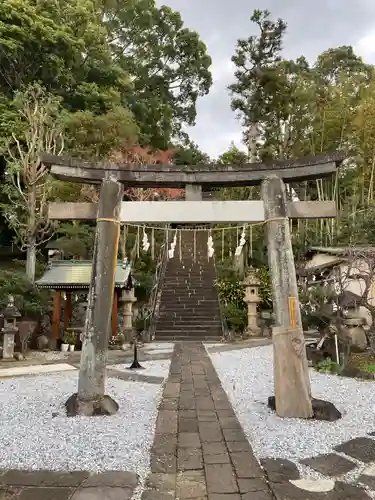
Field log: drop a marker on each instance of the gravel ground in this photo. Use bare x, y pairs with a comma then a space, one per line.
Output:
247, 377
47, 356
32, 439
155, 368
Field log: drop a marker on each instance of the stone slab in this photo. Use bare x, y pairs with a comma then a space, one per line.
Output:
220, 478
190, 484
189, 459
165, 464
251, 485
161, 482
362, 449
367, 481
188, 425
43, 478
157, 495
210, 432
279, 470
330, 464
189, 440
49, 494
246, 465
112, 478
166, 422
222, 458
9, 493
103, 492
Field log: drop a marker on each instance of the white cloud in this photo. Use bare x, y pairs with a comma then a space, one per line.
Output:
365, 47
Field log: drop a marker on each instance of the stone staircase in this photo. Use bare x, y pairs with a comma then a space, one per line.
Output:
189, 305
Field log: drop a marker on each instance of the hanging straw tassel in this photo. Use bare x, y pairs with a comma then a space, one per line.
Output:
173, 246
145, 242
138, 240
123, 241
210, 246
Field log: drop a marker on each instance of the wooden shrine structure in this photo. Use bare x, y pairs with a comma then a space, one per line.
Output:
69, 277
292, 384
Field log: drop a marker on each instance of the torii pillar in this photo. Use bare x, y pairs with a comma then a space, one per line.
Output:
291, 377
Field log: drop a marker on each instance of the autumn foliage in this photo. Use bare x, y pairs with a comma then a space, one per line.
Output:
128, 157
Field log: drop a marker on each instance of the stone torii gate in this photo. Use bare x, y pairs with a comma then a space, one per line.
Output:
292, 385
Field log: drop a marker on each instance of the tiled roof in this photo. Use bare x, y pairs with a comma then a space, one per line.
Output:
68, 274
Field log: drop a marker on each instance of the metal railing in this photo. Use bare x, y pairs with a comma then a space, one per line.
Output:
154, 302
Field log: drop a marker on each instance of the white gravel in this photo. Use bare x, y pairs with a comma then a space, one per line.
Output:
47, 356
247, 377
32, 439
154, 368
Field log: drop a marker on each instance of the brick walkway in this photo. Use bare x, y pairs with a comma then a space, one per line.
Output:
200, 449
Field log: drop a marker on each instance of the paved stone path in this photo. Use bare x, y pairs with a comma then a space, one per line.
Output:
200, 449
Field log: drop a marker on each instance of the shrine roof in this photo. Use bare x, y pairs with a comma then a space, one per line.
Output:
76, 274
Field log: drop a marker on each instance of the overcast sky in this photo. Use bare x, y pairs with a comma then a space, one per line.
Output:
313, 26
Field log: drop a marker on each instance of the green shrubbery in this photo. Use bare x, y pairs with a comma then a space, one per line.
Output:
231, 293
31, 302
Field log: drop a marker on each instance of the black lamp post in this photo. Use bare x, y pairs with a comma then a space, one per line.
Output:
135, 365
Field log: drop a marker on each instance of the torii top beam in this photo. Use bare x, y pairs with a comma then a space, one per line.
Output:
211, 176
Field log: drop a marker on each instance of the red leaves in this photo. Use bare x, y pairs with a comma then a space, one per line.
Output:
138, 155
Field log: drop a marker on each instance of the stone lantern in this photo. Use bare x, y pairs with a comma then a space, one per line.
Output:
127, 300
251, 285
11, 314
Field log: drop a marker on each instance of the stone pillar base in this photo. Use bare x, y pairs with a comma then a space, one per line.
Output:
253, 332
128, 334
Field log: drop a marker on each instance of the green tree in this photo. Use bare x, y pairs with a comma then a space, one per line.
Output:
258, 85
332, 64
95, 136
190, 154
168, 63
233, 156
62, 44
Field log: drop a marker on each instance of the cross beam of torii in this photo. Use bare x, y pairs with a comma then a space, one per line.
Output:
292, 385
190, 212
210, 176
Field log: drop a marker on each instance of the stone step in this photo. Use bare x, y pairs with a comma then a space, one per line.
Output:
188, 333
193, 298
201, 316
180, 311
202, 308
187, 327
187, 338
187, 285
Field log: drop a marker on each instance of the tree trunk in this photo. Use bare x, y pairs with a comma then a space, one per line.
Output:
31, 238
31, 260
291, 377
90, 399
